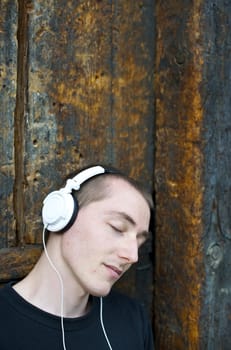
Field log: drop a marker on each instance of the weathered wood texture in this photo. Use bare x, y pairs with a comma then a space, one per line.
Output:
193, 175
133, 112
8, 77
84, 94
216, 96
15, 262
77, 87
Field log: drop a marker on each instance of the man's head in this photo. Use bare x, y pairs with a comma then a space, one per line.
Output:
103, 240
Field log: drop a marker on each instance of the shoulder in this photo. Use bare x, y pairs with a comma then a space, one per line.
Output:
8, 298
6, 303
5, 291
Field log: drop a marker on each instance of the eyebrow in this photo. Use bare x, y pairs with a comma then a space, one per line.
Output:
129, 219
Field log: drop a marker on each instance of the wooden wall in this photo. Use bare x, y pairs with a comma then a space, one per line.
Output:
143, 85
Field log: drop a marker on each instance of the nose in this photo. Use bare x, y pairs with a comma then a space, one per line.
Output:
129, 250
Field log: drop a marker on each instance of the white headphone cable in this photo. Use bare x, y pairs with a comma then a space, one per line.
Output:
61, 285
102, 324
62, 298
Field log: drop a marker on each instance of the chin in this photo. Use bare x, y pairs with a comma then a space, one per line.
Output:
100, 292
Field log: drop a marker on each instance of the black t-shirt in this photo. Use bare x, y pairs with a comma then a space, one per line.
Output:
26, 327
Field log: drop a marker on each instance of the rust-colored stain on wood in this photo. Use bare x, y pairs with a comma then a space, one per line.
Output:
132, 84
179, 178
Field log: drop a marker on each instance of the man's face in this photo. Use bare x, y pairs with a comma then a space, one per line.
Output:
104, 240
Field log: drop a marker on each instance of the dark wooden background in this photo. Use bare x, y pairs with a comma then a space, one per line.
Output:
143, 85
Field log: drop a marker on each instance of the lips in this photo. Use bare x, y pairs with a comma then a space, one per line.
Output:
116, 272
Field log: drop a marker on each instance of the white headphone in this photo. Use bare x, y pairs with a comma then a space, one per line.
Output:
60, 207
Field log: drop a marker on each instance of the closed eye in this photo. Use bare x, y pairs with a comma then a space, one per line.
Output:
116, 228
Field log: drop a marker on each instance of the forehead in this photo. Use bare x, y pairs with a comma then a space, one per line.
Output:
116, 185
123, 197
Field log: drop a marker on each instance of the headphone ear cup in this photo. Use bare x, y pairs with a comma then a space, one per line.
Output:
59, 211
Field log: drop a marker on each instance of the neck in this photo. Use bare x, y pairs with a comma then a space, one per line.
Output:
43, 288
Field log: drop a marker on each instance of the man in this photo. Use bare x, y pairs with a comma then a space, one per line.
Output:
95, 226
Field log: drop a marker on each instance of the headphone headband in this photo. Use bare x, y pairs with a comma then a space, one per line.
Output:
83, 176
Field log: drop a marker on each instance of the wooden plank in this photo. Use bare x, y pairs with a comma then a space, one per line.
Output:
179, 185
192, 307
21, 111
133, 114
8, 65
216, 309
132, 84
15, 263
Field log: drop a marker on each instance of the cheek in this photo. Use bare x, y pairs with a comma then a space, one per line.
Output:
78, 247
72, 247
86, 242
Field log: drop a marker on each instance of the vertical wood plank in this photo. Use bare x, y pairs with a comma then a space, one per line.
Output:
133, 112
179, 176
215, 320
8, 78
133, 96
21, 112
193, 176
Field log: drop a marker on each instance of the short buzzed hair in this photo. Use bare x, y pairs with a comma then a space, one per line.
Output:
96, 188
